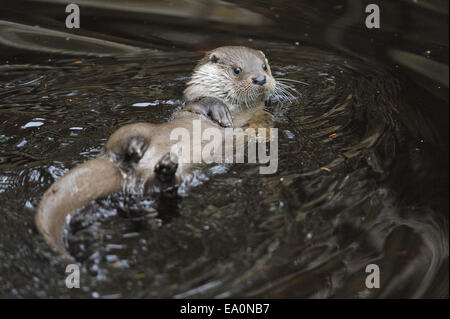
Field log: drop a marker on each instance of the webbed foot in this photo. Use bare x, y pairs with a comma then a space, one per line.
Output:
165, 170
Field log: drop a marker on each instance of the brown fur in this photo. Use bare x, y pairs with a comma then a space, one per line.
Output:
109, 173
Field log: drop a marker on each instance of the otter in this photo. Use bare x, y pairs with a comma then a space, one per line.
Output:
226, 83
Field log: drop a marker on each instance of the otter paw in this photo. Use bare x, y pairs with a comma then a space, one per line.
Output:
165, 169
219, 112
135, 149
212, 108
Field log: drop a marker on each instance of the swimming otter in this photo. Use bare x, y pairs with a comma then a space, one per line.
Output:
224, 83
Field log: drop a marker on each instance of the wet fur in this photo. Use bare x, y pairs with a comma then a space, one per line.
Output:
136, 155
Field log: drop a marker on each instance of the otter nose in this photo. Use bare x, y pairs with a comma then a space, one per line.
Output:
259, 80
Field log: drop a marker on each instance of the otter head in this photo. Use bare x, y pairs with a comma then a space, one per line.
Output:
239, 76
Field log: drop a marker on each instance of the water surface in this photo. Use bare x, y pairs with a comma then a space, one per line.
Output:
363, 158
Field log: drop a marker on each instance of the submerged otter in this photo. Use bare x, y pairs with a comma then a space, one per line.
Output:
225, 84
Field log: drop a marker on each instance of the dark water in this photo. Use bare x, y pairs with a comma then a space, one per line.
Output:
363, 153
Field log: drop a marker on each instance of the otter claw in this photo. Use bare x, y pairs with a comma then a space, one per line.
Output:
221, 115
165, 169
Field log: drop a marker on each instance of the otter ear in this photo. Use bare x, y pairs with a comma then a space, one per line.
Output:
265, 59
213, 58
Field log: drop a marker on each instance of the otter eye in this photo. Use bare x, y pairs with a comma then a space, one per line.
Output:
237, 70
264, 67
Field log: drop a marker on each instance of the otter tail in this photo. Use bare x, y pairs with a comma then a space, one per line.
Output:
91, 180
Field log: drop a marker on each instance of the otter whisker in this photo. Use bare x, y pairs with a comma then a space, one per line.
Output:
285, 89
287, 85
278, 96
291, 80
280, 83
288, 90
282, 94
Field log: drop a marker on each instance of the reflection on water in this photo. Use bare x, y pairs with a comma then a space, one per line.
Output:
363, 167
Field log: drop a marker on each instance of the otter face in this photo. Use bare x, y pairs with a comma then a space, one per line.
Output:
240, 76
